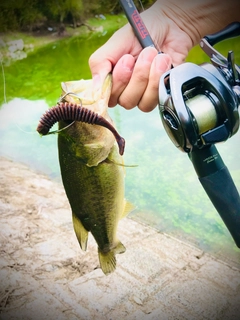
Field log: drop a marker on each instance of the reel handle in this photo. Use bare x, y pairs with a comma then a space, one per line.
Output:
232, 30
219, 186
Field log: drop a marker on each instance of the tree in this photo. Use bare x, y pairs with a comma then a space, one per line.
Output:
25, 14
59, 10
18, 14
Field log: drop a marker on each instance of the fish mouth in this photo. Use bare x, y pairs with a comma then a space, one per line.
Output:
85, 93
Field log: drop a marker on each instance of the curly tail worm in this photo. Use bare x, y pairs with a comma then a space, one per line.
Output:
74, 112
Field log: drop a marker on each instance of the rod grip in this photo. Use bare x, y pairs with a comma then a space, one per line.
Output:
219, 186
222, 191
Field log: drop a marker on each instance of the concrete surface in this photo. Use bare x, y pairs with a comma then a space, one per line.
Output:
45, 275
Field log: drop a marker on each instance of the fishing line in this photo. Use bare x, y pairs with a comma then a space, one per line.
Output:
141, 4
154, 40
59, 101
4, 83
138, 25
5, 98
27, 132
69, 93
60, 130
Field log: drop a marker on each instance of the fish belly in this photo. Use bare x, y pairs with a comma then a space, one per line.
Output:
96, 197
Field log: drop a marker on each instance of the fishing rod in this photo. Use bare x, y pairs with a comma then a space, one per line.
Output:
137, 23
198, 106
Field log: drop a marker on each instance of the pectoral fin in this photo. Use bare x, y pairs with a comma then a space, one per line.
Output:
128, 207
81, 232
108, 260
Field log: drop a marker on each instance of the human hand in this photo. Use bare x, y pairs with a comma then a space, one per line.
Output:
136, 71
175, 27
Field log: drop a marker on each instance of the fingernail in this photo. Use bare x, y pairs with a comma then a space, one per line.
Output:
163, 62
96, 82
127, 63
148, 53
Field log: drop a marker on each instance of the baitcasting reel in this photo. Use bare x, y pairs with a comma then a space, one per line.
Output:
199, 104
199, 107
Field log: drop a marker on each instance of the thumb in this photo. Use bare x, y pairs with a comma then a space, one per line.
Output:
100, 66
99, 73
103, 60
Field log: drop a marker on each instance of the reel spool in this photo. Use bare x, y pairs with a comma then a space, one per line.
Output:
199, 107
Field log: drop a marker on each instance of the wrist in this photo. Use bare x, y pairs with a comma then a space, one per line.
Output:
199, 17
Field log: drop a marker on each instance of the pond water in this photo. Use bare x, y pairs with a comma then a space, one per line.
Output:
163, 186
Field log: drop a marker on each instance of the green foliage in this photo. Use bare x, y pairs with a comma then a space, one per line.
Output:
27, 14
24, 14
164, 187
61, 9
114, 7
198, 56
18, 14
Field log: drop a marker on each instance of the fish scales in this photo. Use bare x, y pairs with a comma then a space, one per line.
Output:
93, 173
95, 193
91, 165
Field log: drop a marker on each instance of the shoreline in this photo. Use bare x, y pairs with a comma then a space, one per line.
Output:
15, 45
45, 274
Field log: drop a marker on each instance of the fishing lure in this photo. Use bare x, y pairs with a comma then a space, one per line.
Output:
66, 111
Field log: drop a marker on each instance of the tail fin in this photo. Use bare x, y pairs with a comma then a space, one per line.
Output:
108, 260
81, 232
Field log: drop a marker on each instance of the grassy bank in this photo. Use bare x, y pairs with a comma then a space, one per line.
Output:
99, 26
38, 39
41, 38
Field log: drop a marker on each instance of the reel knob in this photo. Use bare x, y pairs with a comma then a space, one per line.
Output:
197, 106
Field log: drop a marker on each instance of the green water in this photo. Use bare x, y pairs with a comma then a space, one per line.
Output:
163, 187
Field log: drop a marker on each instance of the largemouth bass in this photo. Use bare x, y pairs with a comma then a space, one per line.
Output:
92, 171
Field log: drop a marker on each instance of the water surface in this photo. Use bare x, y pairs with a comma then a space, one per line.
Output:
163, 187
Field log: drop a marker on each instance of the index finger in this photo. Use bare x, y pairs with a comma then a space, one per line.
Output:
103, 60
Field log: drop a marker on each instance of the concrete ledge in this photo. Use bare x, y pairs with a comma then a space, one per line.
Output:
45, 275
